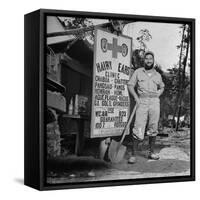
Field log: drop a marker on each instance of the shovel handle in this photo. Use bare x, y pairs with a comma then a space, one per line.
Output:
128, 123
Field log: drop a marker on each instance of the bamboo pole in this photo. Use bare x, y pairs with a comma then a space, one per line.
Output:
179, 73
183, 81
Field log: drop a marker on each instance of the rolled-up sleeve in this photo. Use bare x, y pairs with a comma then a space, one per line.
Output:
133, 79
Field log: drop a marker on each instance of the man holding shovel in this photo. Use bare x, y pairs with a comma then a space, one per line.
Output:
146, 86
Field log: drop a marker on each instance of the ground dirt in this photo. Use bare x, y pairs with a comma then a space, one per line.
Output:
173, 149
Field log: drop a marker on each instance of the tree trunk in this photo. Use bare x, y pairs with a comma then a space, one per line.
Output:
183, 80
179, 73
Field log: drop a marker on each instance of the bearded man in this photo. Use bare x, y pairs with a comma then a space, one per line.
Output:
146, 86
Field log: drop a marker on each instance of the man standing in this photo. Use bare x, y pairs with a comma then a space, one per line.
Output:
146, 86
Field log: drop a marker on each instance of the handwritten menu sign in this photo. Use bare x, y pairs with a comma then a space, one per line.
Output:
111, 73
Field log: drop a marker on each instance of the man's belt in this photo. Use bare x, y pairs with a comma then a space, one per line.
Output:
148, 95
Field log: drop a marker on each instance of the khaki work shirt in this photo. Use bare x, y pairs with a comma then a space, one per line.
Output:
147, 86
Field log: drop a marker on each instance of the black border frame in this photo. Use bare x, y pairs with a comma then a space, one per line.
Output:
40, 20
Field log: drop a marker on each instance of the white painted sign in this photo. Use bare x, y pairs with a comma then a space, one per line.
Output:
111, 72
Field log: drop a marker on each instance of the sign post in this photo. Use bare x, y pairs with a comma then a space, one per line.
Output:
111, 72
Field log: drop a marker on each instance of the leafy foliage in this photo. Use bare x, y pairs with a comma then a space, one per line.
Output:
70, 23
138, 54
144, 36
168, 99
76, 22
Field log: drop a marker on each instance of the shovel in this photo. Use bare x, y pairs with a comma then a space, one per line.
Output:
116, 150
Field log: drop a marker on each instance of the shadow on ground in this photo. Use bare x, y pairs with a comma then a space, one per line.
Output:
75, 163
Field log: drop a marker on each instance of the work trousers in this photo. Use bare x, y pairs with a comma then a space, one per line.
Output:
147, 111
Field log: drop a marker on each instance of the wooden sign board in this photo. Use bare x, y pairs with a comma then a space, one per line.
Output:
111, 72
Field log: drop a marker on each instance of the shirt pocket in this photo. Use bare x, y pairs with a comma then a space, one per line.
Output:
141, 79
142, 82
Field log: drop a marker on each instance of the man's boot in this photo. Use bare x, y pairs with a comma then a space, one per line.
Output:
132, 159
151, 154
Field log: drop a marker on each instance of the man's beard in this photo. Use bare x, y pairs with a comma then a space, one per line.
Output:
148, 67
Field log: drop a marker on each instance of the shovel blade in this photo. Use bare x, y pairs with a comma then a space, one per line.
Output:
116, 152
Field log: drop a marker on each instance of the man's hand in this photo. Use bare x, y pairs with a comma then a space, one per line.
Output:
160, 91
133, 93
137, 100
